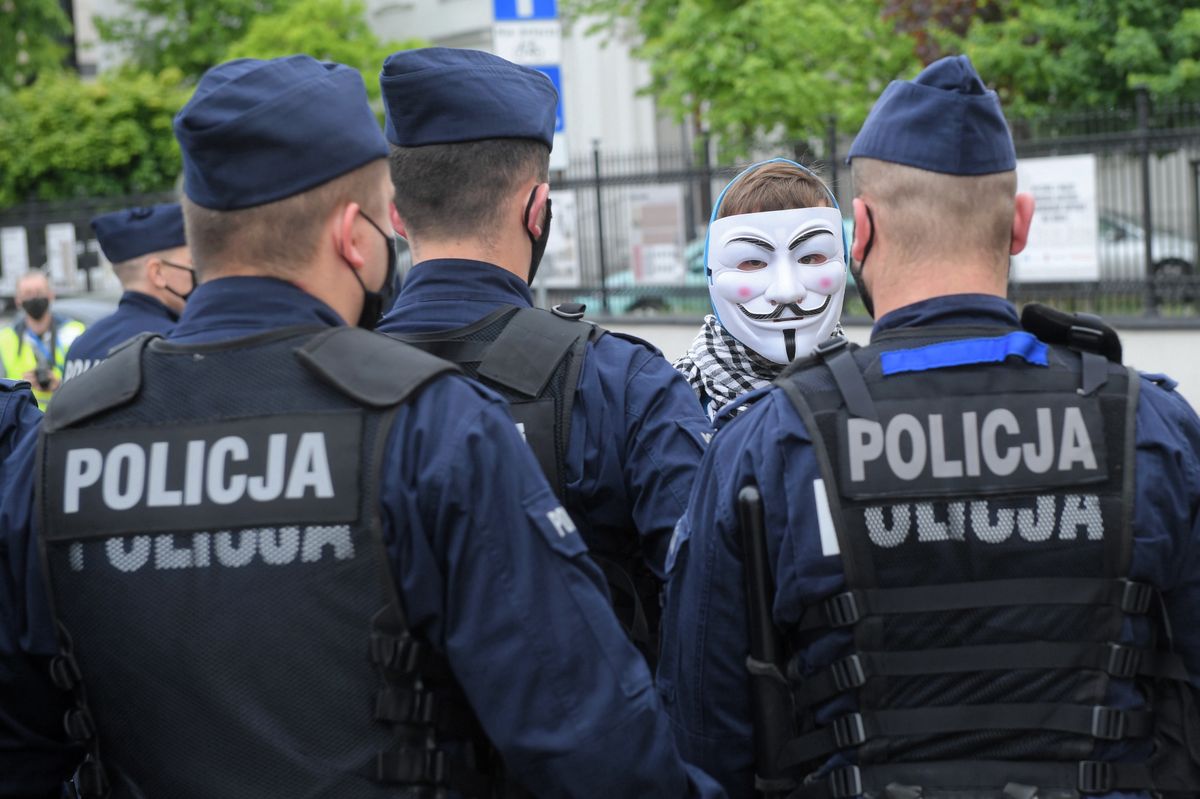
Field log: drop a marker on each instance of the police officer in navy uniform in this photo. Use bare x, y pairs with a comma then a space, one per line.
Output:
976, 552
285, 556
617, 432
149, 254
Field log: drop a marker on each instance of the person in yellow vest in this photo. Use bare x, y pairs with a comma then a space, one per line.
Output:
35, 346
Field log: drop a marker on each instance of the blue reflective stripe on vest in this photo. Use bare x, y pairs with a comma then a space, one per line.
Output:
964, 352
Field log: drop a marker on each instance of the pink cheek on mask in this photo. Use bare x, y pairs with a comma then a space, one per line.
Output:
826, 282
744, 292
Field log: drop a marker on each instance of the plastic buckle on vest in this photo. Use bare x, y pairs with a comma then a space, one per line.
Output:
848, 673
1095, 777
849, 730
1123, 661
79, 724
1108, 724
64, 672
569, 310
90, 780
401, 653
1135, 597
1084, 337
830, 345
846, 782
841, 610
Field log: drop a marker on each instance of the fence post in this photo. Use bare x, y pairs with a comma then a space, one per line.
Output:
1143, 129
706, 198
1195, 215
831, 154
600, 226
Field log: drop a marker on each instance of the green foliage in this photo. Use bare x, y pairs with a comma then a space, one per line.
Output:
1055, 55
330, 30
189, 35
31, 33
755, 71
63, 138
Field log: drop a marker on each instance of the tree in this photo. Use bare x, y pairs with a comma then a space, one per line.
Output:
755, 71
31, 39
1059, 55
330, 30
61, 137
189, 35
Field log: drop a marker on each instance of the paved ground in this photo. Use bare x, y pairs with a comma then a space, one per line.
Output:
1175, 352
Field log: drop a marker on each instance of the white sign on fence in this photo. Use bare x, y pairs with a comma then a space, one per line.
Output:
14, 257
656, 234
560, 265
1063, 238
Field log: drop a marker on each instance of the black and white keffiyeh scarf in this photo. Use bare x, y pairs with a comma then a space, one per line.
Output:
720, 368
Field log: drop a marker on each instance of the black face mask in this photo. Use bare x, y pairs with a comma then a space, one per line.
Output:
863, 292
538, 242
191, 273
376, 303
36, 307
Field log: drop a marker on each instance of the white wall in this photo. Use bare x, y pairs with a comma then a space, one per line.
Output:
1149, 350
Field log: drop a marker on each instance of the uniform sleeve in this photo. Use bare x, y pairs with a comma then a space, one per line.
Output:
34, 757
702, 674
1167, 512
666, 434
19, 416
519, 611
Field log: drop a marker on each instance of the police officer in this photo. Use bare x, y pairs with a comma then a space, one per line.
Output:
617, 431
972, 540
149, 254
34, 348
290, 557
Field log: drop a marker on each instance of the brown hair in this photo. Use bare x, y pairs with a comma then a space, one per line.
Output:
774, 187
278, 237
452, 190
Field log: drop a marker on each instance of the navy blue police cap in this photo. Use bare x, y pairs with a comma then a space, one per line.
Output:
944, 120
134, 232
259, 131
442, 95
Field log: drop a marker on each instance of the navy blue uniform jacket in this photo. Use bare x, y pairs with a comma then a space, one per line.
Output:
136, 313
702, 675
484, 575
637, 432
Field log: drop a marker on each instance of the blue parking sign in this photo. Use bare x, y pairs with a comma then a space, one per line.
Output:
517, 10
554, 73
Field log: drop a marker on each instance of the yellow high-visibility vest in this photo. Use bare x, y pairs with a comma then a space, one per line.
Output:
19, 354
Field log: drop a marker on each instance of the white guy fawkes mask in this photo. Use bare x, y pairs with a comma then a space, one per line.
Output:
777, 278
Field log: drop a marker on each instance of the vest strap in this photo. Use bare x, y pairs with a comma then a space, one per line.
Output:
1086, 777
527, 352
855, 729
839, 357
372, 369
104, 389
1122, 662
850, 607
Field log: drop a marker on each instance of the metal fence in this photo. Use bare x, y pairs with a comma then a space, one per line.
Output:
629, 227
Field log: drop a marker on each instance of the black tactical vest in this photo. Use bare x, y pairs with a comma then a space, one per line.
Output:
532, 358
228, 620
983, 516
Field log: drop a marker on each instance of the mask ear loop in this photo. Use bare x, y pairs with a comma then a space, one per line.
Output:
721, 198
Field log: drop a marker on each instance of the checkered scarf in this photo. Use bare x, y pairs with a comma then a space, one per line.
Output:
720, 368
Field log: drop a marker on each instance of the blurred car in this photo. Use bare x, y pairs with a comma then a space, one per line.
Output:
1122, 250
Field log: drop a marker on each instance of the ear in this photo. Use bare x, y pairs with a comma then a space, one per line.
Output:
1023, 205
154, 273
343, 236
540, 195
862, 230
397, 222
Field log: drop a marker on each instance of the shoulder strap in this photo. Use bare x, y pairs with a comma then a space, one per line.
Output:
108, 385
375, 370
527, 352
7, 386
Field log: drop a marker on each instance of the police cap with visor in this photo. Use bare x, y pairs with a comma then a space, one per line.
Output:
134, 232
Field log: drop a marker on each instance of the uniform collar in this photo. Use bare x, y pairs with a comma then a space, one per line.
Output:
232, 307
460, 279
952, 309
144, 302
